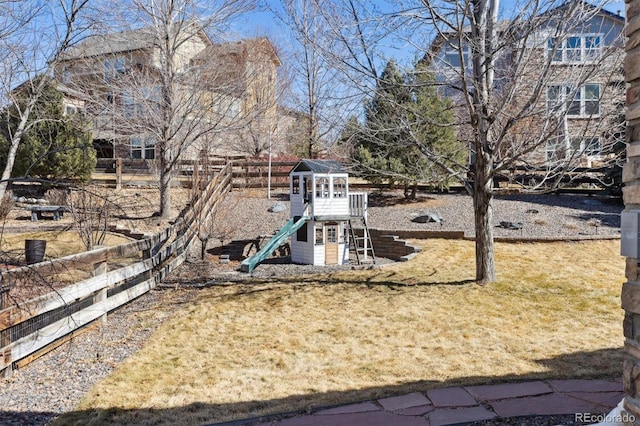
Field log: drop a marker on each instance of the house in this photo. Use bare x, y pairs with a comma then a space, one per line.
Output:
559, 81
224, 91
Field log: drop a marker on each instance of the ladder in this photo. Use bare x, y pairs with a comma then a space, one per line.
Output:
362, 245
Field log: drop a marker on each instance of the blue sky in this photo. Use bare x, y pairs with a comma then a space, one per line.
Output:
263, 23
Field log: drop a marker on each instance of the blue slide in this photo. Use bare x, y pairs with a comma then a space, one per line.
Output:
276, 241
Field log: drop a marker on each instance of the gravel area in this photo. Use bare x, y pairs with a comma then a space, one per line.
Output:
541, 216
557, 420
54, 383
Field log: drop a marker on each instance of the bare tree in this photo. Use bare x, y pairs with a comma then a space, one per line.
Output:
91, 215
220, 224
33, 34
317, 87
518, 80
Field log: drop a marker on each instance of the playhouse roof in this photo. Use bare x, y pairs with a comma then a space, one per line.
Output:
319, 166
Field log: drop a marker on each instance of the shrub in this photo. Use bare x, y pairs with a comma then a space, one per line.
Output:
6, 205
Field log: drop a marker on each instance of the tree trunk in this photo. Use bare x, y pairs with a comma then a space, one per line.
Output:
165, 187
11, 158
15, 142
483, 208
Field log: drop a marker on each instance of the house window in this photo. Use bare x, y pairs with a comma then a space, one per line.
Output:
592, 47
589, 146
143, 148
226, 106
66, 75
319, 234
560, 148
112, 67
295, 185
555, 149
139, 103
577, 102
339, 187
591, 99
575, 49
322, 187
452, 56
129, 103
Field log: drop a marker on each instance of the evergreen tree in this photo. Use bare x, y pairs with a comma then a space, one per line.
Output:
405, 118
54, 145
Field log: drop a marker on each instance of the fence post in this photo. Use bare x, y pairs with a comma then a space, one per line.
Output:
195, 177
180, 229
5, 339
118, 173
100, 296
4, 296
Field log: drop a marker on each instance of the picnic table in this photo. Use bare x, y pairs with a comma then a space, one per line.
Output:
37, 211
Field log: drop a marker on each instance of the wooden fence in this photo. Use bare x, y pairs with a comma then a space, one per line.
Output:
37, 325
246, 173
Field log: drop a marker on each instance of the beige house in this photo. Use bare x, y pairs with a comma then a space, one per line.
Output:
225, 93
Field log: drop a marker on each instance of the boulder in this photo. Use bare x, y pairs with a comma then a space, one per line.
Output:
511, 225
428, 217
277, 208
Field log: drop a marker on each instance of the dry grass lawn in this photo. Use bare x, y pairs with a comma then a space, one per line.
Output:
59, 243
267, 347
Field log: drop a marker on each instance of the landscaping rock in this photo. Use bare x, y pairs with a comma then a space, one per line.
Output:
428, 217
511, 225
277, 208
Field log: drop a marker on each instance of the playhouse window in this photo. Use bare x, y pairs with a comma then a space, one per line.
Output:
332, 234
322, 187
319, 236
306, 184
295, 183
339, 187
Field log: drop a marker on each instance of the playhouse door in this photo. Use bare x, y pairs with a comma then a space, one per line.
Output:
331, 244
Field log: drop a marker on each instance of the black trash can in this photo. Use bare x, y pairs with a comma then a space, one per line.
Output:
34, 250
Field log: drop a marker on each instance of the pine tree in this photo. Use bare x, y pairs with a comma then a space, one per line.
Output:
54, 146
405, 118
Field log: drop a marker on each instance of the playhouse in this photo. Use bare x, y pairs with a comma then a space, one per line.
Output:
319, 191
328, 223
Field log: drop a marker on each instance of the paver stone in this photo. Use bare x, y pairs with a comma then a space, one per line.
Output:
379, 418
542, 405
451, 397
416, 411
577, 385
608, 400
395, 403
508, 390
362, 407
